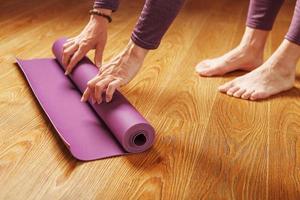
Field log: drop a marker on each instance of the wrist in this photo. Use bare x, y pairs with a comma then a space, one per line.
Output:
137, 51
99, 18
104, 11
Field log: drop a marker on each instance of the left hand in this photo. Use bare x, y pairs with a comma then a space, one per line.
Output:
118, 72
93, 36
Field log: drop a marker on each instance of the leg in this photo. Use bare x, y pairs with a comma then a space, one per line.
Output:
277, 74
248, 55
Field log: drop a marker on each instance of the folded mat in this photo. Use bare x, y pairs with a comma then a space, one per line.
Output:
90, 131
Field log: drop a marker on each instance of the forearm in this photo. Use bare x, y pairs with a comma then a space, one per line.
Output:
107, 4
155, 19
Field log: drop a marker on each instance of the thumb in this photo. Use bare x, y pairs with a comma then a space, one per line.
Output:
98, 56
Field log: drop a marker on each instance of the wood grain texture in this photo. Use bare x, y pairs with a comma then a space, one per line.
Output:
208, 146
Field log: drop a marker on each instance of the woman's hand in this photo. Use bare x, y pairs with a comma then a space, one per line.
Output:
118, 72
93, 36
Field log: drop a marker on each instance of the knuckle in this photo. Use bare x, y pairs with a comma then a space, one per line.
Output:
83, 45
71, 64
98, 85
67, 53
64, 53
82, 51
110, 88
109, 92
79, 52
65, 45
110, 76
109, 96
90, 84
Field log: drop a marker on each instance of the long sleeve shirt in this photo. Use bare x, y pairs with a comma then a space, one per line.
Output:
153, 23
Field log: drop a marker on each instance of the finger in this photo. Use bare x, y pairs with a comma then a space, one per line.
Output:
98, 56
67, 44
78, 55
91, 84
99, 89
111, 88
86, 95
71, 39
67, 53
103, 66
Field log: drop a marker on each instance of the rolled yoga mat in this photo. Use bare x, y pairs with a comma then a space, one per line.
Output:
90, 131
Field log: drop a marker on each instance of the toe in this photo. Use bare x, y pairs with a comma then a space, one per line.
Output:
232, 90
258, 95
208, 72
202, 66
247, 94
208, 68
225, 87
239, 93
204, 72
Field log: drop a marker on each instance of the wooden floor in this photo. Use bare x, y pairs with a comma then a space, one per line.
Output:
208, 146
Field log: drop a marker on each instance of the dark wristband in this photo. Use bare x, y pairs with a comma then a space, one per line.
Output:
98, 13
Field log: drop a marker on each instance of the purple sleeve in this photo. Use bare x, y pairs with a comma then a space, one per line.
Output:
107, 4
155, 19
262, 13
293, 34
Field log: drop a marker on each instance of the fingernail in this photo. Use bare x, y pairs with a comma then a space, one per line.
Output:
107, 100
93, 101
82, 99
67, 73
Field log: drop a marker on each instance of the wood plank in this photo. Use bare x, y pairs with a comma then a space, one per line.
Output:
208, 145
284, 128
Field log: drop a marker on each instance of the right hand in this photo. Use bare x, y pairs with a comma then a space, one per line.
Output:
93, 36
116, 73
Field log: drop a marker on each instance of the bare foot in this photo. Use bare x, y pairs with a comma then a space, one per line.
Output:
247, 56
245, 59
276, 75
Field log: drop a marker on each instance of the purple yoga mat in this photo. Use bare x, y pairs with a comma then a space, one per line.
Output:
90, 131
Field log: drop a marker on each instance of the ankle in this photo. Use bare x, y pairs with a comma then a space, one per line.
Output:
288, 52
254, 40
251, 49
283, 67
285, 58
252, 54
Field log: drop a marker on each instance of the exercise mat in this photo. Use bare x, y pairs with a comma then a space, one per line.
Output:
90, 131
